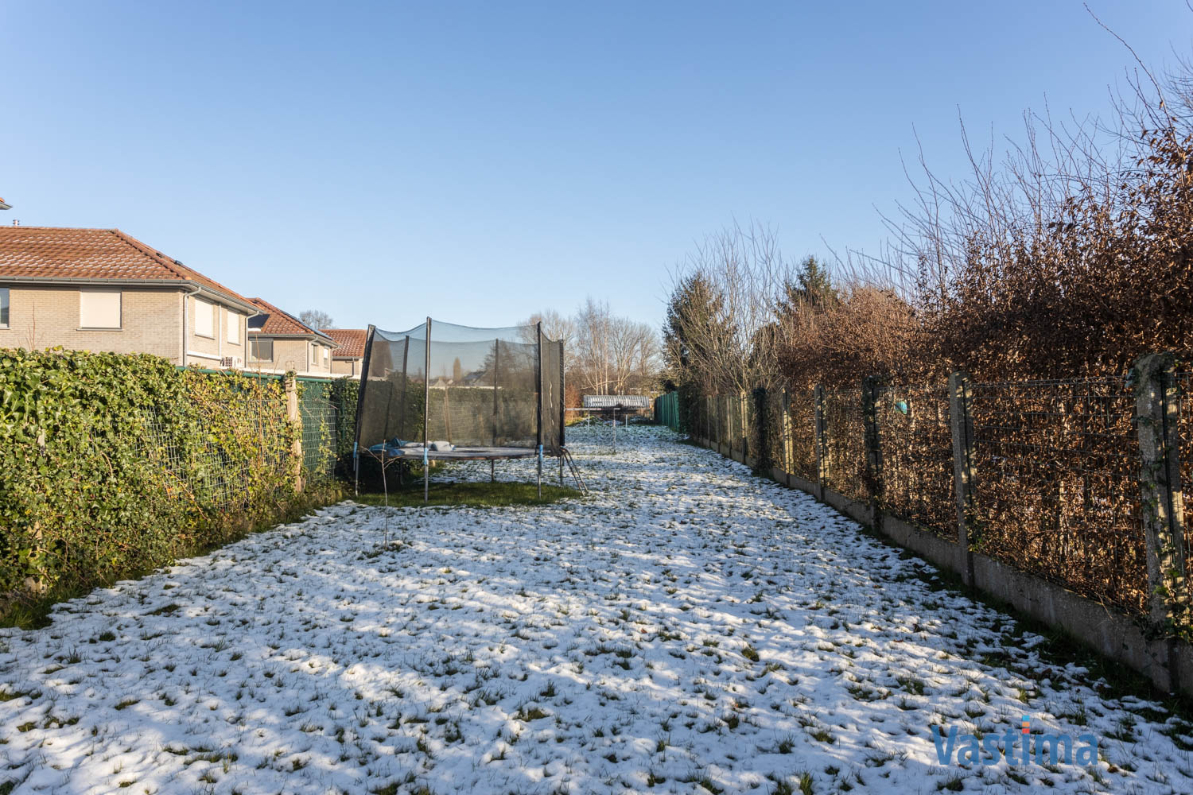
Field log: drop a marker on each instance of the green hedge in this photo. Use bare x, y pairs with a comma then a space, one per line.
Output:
112, 465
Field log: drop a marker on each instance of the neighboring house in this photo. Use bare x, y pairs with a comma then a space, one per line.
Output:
280, 342
102, 290
346, 359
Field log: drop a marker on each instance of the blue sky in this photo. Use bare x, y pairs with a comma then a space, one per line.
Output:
480, 161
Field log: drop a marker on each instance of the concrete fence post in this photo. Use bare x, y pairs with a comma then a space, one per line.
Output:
1157, 413
964, 474
874, 474
743, 424
822, 431
290, 388
762, 430
785, 429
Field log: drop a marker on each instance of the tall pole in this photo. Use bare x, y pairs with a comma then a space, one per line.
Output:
360, 402
496, 372
427, 414
562, 409
539, 335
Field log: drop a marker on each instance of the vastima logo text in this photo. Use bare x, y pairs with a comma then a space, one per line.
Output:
1018, 747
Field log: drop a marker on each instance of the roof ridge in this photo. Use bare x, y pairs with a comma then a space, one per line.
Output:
153, 254
175, 266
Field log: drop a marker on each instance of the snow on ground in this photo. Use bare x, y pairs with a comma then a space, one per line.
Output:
689, 628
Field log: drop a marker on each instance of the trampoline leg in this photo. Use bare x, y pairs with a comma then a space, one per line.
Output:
540, 472
385, 487
561, 469
492, 471
426, 482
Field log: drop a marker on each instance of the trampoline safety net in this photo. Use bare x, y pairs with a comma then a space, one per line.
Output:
473, 387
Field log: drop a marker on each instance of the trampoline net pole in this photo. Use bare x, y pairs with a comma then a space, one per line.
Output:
360, 404
542, 394
426, 413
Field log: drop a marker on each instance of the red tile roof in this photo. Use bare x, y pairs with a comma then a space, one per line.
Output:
47, 252
274, 322
352, 342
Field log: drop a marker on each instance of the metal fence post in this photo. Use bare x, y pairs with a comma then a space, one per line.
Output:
964, 475
822, 462
290, 387
873, 447
1157, 412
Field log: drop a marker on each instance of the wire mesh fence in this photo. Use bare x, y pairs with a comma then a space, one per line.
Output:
198, 468
1056, 468
318, 438
801, 434
916, 444
1057, 491
845, 446
1184, 385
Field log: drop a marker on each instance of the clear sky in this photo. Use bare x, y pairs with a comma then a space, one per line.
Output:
480, 161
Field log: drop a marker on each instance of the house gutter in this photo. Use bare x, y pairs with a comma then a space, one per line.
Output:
185, 331
175, 283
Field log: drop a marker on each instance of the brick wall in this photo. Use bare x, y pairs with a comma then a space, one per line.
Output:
206, 351
300, 355
48, 316
345, 367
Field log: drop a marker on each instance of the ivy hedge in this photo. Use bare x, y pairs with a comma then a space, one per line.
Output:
112, 465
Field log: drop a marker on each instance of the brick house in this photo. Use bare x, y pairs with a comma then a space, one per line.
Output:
103, 290
279, 342
347, 359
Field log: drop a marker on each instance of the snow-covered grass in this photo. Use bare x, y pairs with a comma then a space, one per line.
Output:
688, 628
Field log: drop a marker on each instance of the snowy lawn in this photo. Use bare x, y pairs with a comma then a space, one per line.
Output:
689, 628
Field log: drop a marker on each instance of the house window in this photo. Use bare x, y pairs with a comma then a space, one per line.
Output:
204, 319
99, 308
261, 350
3, 307
326, 354
233, 328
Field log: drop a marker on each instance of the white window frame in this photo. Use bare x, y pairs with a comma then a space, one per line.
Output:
210, 333
233, 330
95, 291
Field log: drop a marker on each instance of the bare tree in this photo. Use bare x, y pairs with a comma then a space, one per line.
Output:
604, 353
593, 327
741, 272
316, 319
560, 328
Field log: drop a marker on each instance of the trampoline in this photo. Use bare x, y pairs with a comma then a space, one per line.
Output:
446, 392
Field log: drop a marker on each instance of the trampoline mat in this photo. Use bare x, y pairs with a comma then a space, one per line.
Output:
461, 453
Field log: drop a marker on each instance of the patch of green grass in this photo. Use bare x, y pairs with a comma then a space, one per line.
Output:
952, 784
471, 494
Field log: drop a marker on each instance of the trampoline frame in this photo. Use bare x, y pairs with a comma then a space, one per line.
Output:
471, 453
